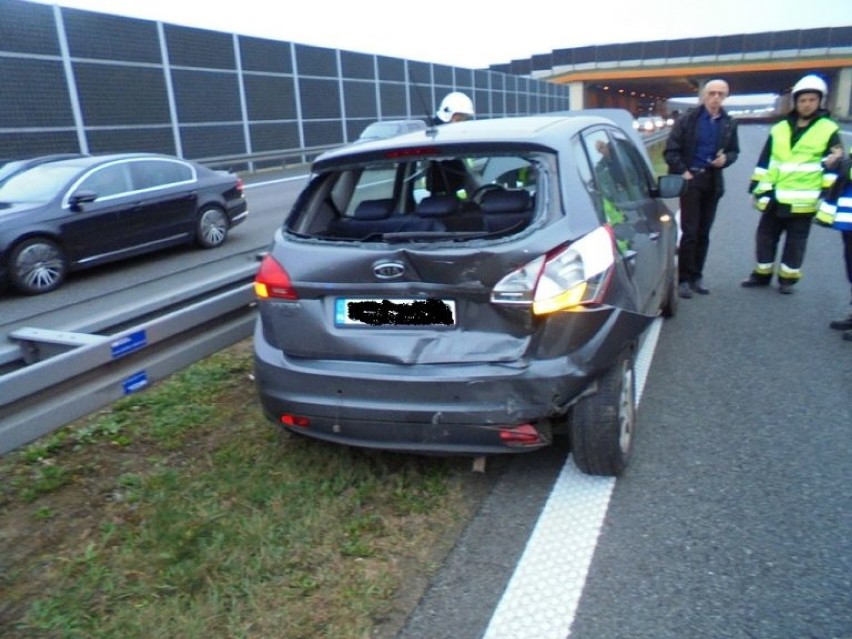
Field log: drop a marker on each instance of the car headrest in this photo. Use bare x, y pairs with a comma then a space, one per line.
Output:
503, 201
373, 209
437, 206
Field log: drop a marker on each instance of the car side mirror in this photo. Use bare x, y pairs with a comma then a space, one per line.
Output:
670, 186
81, 197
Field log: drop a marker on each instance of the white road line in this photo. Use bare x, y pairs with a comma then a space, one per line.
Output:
542, 596
252, 185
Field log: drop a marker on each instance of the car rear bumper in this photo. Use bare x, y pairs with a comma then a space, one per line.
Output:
239, 214
427, 408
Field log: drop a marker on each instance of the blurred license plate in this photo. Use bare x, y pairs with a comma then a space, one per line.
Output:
396, 312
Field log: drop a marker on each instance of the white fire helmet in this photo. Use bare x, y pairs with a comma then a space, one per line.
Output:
455, 102
812, 84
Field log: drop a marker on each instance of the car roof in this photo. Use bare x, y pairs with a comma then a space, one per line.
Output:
86, 161
547, 132
412, 121
551, 131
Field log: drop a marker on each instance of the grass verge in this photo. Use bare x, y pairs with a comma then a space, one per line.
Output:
181, 512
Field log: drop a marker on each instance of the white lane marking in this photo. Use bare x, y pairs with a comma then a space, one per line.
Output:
268, 182
542, 596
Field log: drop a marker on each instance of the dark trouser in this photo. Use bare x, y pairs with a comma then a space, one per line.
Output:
796, 229
697, 212
847, 254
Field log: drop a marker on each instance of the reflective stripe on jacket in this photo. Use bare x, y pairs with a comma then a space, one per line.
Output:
836, 210
795, 173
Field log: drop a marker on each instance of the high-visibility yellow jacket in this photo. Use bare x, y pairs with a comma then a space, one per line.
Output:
795, 175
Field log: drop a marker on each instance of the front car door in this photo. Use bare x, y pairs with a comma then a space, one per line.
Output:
94, 231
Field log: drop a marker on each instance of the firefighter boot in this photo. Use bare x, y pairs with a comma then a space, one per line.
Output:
756, 279
844, 324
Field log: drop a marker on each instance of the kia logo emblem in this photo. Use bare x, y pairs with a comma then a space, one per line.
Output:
388, 270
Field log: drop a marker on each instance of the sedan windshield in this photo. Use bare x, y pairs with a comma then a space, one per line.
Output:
9, 168
38, 184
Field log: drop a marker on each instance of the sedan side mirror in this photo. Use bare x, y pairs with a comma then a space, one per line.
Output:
81, 197
669, 186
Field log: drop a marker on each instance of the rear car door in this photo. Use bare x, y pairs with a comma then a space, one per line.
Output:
652, 268
167, 200
610, 166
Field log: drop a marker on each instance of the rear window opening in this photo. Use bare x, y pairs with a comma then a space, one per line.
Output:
423, 199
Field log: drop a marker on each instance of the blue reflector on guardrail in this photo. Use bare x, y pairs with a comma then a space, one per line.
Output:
135, 382
129, 344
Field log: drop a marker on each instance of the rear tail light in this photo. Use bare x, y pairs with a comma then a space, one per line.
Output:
570, 276
523, 435
295, 420
240, 185
273, 282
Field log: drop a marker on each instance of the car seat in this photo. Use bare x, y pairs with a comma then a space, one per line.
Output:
375, 218
445, 179
506, 209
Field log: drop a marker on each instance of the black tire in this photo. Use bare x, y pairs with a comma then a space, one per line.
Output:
603, 425
212, 228
37, 265
669, 307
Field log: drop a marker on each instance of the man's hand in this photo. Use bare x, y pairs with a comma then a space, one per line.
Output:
719, 161
833, 157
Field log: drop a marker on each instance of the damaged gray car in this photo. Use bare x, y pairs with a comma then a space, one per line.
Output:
472, 289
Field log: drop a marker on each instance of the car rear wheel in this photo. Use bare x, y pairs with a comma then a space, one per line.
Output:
37, 265
212, 227
602, 425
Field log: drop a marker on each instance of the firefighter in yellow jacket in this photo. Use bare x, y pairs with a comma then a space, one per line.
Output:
792, 172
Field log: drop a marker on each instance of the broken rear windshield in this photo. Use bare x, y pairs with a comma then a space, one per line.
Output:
422, 199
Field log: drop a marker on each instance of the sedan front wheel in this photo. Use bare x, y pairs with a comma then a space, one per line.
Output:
37, 265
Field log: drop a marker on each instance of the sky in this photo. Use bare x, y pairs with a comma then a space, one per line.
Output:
478, 33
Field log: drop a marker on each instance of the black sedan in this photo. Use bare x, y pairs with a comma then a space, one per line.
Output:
70, 214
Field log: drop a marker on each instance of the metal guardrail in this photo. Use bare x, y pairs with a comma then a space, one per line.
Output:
72, 374
301, 155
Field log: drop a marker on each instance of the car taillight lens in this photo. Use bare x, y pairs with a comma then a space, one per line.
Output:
240, 185
289, 419
273, 282
569, 276
522, 435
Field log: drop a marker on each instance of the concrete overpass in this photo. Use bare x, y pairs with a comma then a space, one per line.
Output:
642, 76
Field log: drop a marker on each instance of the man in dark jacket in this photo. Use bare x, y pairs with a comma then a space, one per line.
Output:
700, 145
